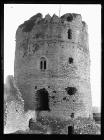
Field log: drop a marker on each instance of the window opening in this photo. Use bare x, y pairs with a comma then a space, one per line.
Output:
69, 34
70, 60
43, 64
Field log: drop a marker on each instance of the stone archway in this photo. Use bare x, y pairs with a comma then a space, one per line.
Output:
42, 100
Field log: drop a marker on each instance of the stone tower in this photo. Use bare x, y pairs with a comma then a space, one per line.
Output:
52, 65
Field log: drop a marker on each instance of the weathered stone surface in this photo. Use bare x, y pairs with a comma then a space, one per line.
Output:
49, 39
11, 92
47, 18
15, 118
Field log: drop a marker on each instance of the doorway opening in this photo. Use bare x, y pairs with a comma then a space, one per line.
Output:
70, 129
42, 100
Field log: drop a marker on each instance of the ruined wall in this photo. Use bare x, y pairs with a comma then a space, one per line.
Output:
63, 42
15, 118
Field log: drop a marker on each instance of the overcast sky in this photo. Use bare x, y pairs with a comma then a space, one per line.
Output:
16, 14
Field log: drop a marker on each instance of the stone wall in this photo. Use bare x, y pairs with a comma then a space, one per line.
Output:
67, 63
15, 118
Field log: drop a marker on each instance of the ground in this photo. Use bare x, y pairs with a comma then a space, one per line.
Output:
56, 126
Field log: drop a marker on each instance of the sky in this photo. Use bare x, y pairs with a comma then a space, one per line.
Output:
16, 14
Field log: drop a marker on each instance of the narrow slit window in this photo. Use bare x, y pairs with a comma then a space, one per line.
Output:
44, 64
69, 34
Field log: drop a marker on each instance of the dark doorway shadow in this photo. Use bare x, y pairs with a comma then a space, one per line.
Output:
70, 130
42, 99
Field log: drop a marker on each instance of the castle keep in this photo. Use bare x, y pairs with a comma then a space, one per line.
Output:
52, 65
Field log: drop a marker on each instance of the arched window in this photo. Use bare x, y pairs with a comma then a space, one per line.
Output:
43, 64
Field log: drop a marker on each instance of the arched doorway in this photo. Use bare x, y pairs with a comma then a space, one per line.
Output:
42, 100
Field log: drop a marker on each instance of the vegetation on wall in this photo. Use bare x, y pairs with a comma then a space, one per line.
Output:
28, 25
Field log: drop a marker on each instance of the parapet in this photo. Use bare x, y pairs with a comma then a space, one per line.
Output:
66, 19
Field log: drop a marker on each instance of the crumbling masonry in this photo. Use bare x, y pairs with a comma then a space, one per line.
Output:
52, 65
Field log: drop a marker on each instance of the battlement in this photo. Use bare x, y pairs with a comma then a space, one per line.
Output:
67, 28
66, 19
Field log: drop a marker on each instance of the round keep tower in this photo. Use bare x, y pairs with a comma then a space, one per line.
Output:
52, 65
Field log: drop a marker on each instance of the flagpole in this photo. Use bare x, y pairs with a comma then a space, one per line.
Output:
59, 10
